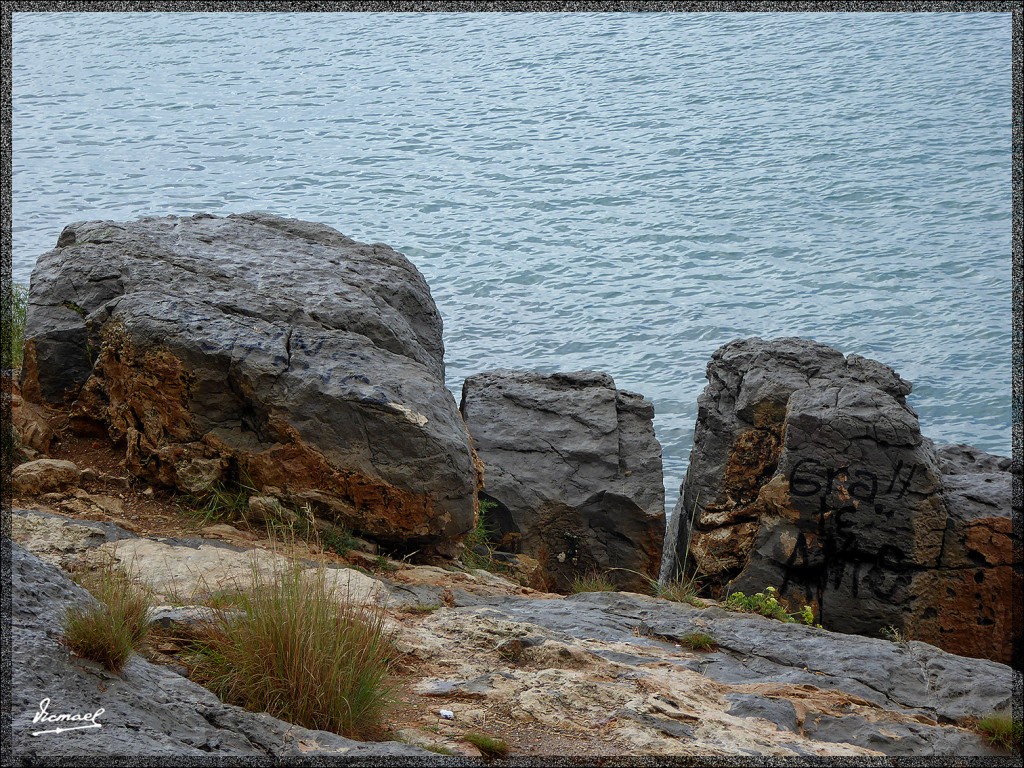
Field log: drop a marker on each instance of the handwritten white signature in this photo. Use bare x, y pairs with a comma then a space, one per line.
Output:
43, 716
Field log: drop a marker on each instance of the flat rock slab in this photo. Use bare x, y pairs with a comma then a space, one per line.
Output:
771, 669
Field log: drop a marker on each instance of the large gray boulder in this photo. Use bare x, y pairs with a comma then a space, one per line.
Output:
809, 473
254, 348
148, 710
574, 469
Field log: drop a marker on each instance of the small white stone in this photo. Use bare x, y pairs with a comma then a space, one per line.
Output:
446, 714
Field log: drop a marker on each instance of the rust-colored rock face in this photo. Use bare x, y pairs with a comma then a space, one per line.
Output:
141, 399
809, 473
32, 431
258, 350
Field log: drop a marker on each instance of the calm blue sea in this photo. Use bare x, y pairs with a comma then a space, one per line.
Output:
621, 192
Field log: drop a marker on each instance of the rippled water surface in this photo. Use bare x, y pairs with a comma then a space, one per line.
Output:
623, 192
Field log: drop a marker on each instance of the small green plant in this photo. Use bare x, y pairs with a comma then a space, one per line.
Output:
592, 582
768, 604
683, 589
698, 641
74, 307
489, 745
381, 564
14, 328
1001, 731
337, 539
892, 634
111, 629
679, 590
300, 652
480, 538
219, 504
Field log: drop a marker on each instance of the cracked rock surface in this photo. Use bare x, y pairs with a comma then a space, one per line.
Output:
575, 471
148, 709
263, 349
809, 473
595, 674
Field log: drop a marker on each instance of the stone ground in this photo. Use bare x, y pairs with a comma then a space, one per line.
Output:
598, 675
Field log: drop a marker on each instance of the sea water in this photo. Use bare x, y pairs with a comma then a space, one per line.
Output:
620, 192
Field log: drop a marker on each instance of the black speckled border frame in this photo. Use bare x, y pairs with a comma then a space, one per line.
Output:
1014, 7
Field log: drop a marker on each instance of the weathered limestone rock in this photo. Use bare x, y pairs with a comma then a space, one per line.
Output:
148, 710
809, 473
258, 349
574, 469
43, 476
607, 674
614, 662
32, 431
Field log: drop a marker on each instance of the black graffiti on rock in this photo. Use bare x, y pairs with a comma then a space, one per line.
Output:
837, 554
820, 479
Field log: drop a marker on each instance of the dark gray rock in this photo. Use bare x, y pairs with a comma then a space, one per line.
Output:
575, 471
148, 710
262, 349
908, 739
778, 711
809, 473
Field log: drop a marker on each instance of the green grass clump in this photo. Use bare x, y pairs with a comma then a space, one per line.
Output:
592, 582
294, 649
1001, 731
220, 504
698, 641
110, 630
224, 503
489, 745
225, 599
767, 604
683, 589
480, 536
337, 539
14, 326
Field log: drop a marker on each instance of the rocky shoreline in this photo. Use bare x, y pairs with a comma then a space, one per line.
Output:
187, 357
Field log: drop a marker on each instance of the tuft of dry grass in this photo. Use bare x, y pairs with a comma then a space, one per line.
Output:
109, 630
592, 582
683, 589
294, 648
